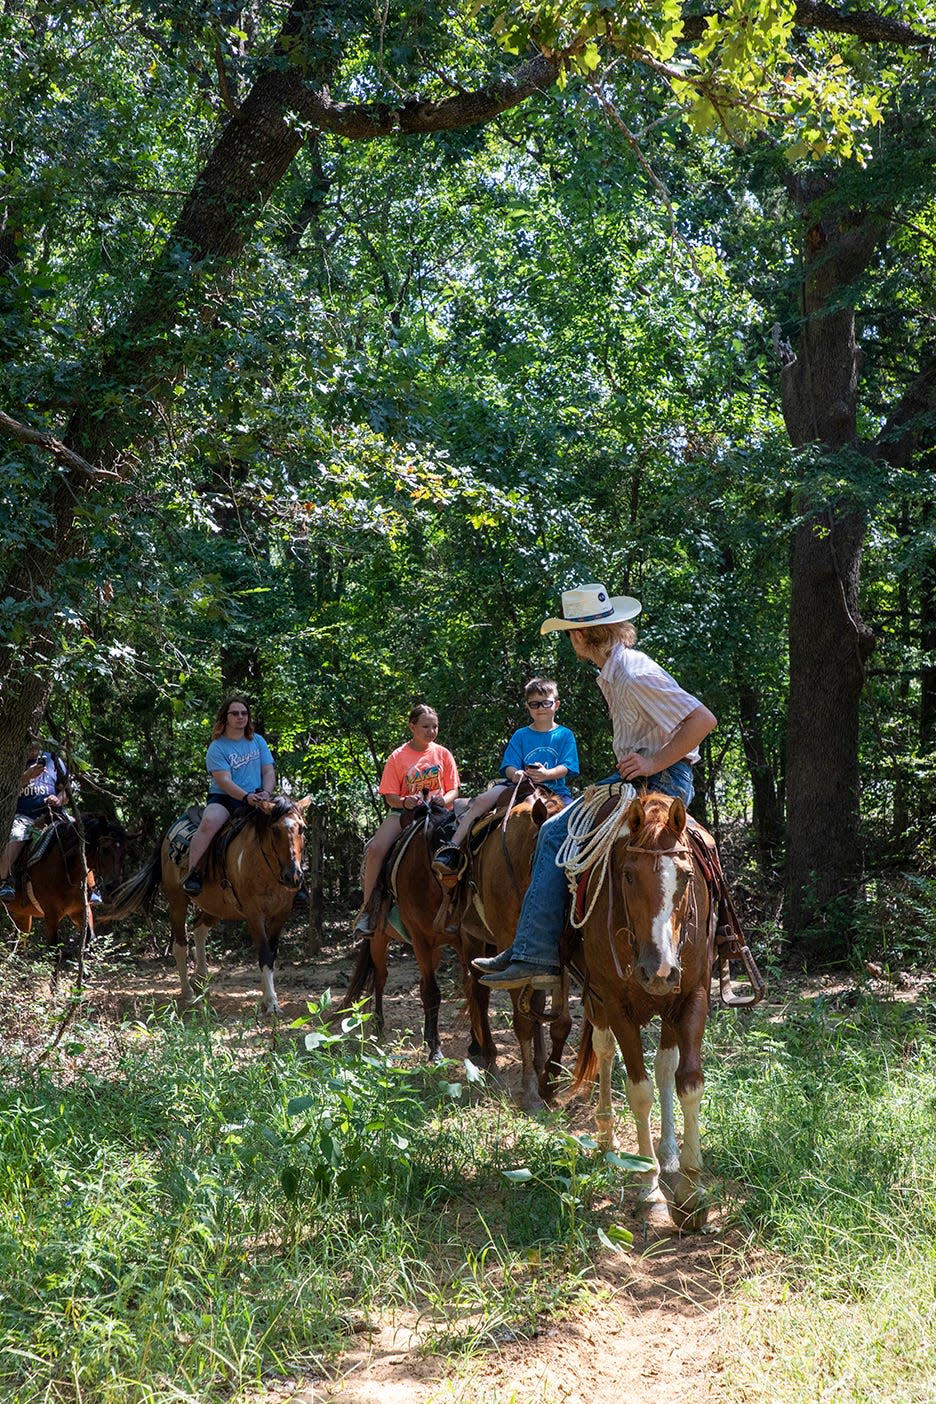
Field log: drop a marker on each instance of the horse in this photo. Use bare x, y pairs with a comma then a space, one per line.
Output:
53, 877
499, 876
252, 873
647, 949
484, 914
417, 896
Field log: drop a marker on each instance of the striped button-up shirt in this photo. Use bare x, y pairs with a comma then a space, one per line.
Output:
646, 704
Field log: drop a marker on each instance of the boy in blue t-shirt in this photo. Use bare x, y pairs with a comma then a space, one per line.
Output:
543, 751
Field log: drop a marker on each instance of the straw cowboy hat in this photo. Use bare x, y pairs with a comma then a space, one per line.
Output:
591, 604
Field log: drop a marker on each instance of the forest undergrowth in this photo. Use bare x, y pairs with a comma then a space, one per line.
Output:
192, 1209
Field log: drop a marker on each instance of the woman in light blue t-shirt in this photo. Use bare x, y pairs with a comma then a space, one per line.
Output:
242, 773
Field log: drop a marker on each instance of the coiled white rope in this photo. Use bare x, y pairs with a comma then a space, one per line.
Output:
587, 844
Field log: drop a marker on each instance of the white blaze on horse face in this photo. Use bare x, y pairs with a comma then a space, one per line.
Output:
294, 832
662, 929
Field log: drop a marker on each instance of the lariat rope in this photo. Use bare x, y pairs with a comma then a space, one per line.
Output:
587, 844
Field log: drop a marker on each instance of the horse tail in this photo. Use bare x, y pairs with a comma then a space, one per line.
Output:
586, 1064
362, 978
137, 890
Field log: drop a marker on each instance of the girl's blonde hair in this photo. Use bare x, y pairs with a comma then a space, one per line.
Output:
601, 638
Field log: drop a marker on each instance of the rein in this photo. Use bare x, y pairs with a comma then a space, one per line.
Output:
503, 833
224, 880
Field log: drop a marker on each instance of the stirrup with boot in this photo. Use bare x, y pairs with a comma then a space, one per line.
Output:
728, 936
449, 864
730, 945
193, 882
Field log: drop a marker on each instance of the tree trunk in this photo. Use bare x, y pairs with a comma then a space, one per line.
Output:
146, 356
23, 698
768, 815
314, 880
828, 641
928, 648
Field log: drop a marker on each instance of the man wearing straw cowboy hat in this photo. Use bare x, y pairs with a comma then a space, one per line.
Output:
657, 730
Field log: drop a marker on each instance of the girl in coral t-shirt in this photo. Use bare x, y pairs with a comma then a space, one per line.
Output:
419, 767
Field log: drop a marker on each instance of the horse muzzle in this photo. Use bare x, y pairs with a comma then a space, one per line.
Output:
291, 876
659, 980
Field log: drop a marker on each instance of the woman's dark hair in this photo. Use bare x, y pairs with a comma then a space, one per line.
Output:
220, 721
422, 709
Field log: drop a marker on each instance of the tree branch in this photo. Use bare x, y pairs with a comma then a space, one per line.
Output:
363, 121
900, 437
44, 440
813, 14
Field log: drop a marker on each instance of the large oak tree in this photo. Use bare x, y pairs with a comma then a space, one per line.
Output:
276, 96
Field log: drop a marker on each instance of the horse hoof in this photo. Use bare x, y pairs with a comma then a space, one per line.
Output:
533, 1105
656, 1215
688, 1219
436, 1056
688, 1206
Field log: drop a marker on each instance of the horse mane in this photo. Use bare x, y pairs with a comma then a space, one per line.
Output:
64, 836
95, 826
655, 820
282, 805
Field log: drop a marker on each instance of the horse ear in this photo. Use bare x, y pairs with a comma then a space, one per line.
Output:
635, 815
303, 804
676, 819
539, 813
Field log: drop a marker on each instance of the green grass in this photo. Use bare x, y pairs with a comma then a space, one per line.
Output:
181, 1217
187, 1212
821, 1125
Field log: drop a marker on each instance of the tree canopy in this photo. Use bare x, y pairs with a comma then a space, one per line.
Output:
337, 342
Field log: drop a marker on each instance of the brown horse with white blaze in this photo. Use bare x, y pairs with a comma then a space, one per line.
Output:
251, 874
648, 948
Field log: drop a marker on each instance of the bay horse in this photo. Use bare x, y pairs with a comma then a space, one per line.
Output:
417, 896
648, 949
252, 873
499, 876
51, 876
483, 916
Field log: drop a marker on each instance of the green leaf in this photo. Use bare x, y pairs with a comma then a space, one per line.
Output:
624, 1161
617, 1239
289, 1179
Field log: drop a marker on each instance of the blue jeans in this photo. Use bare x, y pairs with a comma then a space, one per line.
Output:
542, 916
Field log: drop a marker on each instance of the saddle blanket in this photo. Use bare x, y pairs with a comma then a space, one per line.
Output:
179, 837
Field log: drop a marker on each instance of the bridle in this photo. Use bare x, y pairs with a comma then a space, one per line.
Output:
676, 852
261, 832
267, 830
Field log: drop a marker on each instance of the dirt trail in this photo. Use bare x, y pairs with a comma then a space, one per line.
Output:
650, 1324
